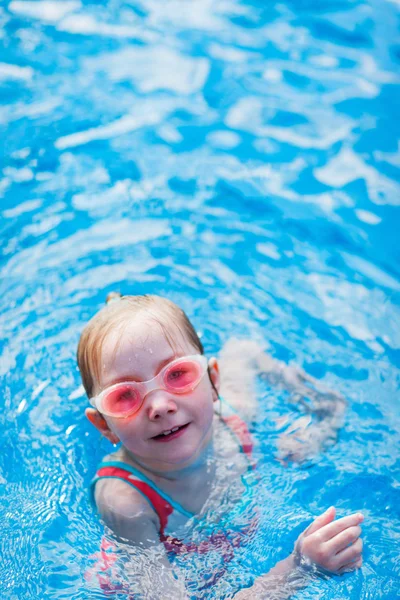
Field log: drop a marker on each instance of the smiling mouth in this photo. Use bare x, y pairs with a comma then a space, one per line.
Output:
170, 434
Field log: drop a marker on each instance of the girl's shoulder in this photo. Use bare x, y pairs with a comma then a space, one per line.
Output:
113, 495
119, 504
114, 498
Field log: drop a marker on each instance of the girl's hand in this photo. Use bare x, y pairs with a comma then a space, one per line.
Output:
335, 546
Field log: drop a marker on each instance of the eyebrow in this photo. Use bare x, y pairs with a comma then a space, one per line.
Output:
160, 367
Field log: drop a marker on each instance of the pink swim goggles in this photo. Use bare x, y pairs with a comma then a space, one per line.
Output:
124, 399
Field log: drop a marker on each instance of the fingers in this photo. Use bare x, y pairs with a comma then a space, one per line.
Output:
352, 566
325, 557
333, 545
350, 554
336, 527
321, 521
343, 539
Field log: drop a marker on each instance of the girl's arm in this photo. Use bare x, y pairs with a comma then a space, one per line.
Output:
327, 545
332, 545
242, 360
140, 561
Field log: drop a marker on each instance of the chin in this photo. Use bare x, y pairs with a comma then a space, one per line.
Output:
180, 456
184, 455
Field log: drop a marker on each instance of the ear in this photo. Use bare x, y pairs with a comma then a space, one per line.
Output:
101, 424
213, 371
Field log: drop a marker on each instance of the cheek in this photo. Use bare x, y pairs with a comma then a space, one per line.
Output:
125, 428
204, 403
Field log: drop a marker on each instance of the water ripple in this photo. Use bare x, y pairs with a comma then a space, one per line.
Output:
241, 158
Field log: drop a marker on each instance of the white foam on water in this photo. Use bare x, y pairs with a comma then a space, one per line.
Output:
247, 114
363, 266
169, 134
102, 236
328, 202
347, 167
45, 10
73, 168
111, 275
201, 15
273, 75
5, 183
118, 127
88, 25
146, 188
321, 142
372, 72
342, 302
8, 360
19, 175
78, 393
8, 71
367, 217
22, 208
39, 388
68, 431
344, 168
19, 110
224, 273
21, 154
275, 180
104, 202
44, 225
363, 81
232, 54
324, 60
269, 250
21, 406
152, 68
223, 139
44, 176
266, 179
37, 109
392, 158
287, 37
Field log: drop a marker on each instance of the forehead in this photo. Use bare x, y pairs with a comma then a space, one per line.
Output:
137, 346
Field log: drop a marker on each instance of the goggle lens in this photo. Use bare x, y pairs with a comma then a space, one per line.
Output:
182, 376
122, 400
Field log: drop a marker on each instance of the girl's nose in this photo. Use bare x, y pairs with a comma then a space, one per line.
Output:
160, 404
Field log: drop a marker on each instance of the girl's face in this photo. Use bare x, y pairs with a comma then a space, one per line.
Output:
139, 353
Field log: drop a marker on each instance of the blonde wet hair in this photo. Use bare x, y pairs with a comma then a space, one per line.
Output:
119, 309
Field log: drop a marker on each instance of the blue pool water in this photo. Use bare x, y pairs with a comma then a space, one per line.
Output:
241, 158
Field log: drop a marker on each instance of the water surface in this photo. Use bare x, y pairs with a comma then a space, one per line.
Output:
241, 158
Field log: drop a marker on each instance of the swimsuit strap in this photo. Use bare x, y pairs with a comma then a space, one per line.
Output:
238, 427
241, 431
162, 504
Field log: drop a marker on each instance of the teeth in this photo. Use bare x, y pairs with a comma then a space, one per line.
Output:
170, 431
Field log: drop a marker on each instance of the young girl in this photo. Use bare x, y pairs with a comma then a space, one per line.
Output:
180, 420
